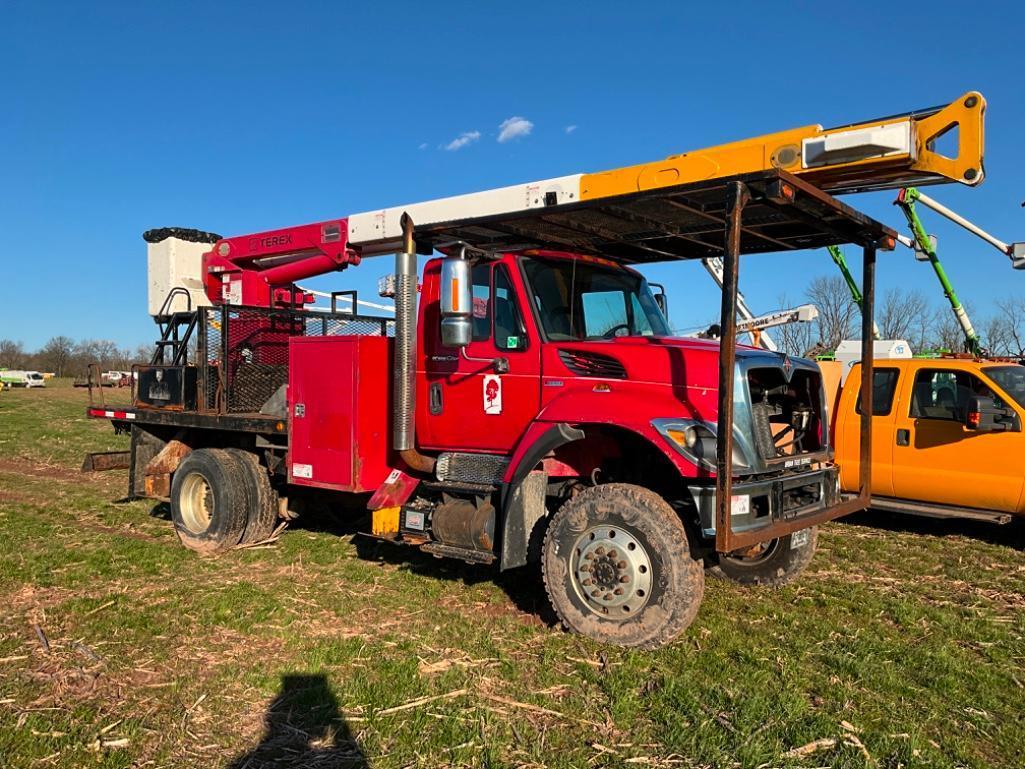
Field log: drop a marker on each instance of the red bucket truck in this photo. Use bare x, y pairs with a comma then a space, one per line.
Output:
527, 403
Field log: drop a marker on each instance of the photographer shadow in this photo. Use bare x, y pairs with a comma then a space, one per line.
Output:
304, 728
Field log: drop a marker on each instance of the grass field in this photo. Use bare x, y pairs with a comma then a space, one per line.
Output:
901, 647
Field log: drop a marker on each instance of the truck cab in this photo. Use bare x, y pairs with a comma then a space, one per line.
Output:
947, 436
556, 338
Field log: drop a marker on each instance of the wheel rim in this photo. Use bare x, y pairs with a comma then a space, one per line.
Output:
196, 503
755, 555
611, 571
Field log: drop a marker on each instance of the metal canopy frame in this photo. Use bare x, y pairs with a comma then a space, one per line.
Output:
784, 213
759, 212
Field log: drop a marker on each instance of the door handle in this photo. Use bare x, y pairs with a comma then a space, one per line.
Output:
903, 437
436, 404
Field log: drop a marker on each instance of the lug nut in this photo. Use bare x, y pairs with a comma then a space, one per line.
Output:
595, 593
613, 553
589, 556
607, 597
585, 567
599, 550
587, 582
621, 565
618, 591
625, 578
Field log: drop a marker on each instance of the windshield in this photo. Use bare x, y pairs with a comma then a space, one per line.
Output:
584, 300
1011, 380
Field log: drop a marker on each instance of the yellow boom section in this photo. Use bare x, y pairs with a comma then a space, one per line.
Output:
880, 154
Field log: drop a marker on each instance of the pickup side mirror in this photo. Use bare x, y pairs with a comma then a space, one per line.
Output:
456, 302
983, 415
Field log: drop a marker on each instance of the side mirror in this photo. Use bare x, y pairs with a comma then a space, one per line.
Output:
661, 299
456, 302
983, 415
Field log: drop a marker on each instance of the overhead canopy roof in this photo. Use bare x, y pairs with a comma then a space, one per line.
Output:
676, 222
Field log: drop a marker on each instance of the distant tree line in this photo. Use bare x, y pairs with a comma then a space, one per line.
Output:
64, 356
900, 314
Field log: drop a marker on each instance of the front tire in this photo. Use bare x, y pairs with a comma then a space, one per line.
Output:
208, 501
774, 563
617, 567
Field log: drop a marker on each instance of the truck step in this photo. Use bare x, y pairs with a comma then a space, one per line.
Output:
464, 467
926, 510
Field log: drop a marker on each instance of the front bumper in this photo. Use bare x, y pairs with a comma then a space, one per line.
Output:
771, 503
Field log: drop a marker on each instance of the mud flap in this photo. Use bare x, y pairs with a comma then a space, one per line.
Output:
523, 528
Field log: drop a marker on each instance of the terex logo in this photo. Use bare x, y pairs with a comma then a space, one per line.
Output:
272, 241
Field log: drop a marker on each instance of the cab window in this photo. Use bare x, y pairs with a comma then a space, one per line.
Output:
884, 385
480, 277
944, 394
508, 323
604, 312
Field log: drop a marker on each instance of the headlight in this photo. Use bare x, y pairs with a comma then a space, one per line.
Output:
696, 441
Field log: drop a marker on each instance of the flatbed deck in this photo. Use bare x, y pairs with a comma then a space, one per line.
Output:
246, 423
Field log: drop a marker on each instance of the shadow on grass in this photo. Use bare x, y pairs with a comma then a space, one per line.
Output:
304, 728
161, 511
350, 518
1007, 535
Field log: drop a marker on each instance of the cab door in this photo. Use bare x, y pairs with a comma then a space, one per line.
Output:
937, 459
472, 406
886, 382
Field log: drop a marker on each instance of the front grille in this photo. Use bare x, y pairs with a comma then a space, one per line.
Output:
787, 415
593, 364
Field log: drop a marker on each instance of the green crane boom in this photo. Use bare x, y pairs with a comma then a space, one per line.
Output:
852, 284
906, 199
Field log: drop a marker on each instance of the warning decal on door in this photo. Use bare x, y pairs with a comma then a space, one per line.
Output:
492, 394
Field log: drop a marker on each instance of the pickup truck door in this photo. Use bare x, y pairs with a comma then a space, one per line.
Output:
472, 407
848, 450
937, 459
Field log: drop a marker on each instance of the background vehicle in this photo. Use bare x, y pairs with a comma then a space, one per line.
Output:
12, 378
947, 437
534, 407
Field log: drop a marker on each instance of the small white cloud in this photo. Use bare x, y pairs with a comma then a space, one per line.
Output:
514, 128
423, 146
467, 137
570, 129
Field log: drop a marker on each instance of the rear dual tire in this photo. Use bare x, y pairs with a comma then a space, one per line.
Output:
222, 498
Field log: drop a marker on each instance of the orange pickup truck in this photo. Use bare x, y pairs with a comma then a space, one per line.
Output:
947, 436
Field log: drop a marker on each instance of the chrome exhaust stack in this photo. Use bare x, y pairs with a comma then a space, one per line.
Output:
404, 373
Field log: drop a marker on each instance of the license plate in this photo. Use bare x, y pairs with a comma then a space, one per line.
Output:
740, 504
799, 539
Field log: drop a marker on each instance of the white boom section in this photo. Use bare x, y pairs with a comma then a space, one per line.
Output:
381, 232
715, 269
1014, 251
803, 314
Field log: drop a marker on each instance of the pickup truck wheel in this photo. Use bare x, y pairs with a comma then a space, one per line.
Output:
617, 567
208, 501
773, 563
261, 499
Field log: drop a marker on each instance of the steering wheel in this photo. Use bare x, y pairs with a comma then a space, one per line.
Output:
612, 331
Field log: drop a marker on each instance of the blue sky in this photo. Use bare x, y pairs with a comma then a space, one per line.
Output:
119, 117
